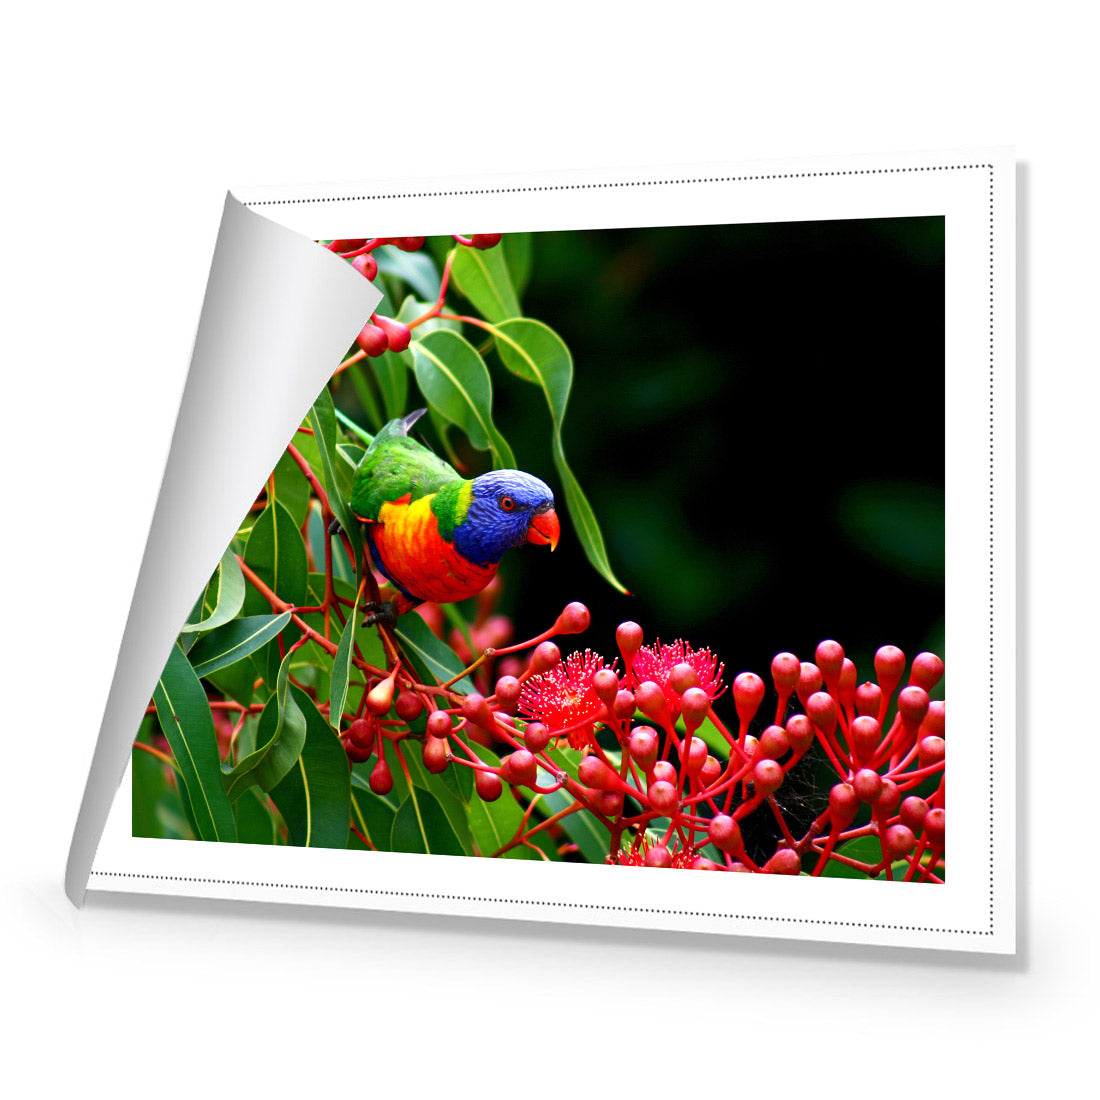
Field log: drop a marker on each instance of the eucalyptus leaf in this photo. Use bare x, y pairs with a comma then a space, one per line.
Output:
537, 354
482, 276
314, 796
453, 377
236, 640
185, 719
231, 590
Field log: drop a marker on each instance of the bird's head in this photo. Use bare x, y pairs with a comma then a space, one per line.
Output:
507, 508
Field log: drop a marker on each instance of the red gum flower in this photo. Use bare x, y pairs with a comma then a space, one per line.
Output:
657, 661
564, 698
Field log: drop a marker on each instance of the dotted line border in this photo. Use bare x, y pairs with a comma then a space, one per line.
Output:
619, 183
484, 898
641, 909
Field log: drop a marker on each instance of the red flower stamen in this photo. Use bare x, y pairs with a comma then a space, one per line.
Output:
564, 698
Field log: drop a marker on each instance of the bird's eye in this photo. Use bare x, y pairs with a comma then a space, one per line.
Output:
507, 503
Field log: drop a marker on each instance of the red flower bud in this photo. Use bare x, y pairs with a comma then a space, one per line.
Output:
485, 240
829, 657
409, 244
927, 671
774, 743
694, 706
888, 797
865, 735
605, 684
935, 721
439, 723
696, 755
821, 710
785, 862
800, 732
408, 706
898, 841
889, 665
809, 681
725, 834
520, 767
372, 340
574, 619
628, 637
381, 780
476, 709
380, 697
398, 335
536, 736
624, 705
507, 691
642, 746
767, 776
785, 673
664, 772
651, 700
748, 694
436, 755
361, 732
546, 656
868, 699
913, 811
487, 785
709, 773
843, 804
931, 750
867, 783
682, 677
935, 828
593, 772
912, 706
658, 856
366, 265
663, 797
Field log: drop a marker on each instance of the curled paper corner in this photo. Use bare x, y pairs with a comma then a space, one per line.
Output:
278, 315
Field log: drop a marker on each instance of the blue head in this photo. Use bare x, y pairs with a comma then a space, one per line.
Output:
507, 508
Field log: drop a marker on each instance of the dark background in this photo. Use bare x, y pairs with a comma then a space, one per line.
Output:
757, 419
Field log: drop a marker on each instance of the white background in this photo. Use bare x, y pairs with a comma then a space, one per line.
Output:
123, 129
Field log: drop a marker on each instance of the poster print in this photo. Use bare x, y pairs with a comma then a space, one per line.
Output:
612, 550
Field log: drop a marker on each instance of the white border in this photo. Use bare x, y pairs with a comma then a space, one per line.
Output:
975, 910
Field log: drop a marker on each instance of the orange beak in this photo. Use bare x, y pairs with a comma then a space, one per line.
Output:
544, 529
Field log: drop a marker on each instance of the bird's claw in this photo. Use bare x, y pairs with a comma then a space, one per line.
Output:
335, 527
383, 612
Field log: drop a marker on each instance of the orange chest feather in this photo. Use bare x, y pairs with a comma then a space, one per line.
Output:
412, 552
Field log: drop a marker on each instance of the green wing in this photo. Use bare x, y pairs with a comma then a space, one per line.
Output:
395, 465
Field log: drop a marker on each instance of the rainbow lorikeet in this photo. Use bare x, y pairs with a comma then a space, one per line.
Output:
435, 536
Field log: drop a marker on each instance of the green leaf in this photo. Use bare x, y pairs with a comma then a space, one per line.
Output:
280, 738
517, 255
255, 821
393, 382
184, 715
235, 641
493, 824
434, 660
315, 795
326, 435
416, 269
537, 354
453, 806
454, 379
341, 666
422, 826
276, 553
231, 591
867, 849
483, 277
